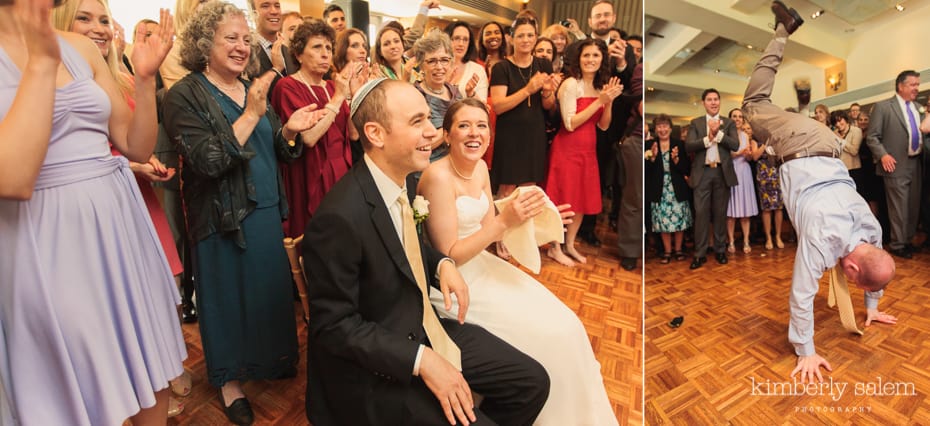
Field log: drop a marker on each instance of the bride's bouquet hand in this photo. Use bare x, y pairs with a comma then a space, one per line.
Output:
526, 205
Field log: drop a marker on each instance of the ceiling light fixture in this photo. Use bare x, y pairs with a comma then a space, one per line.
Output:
684, 53
899, 7
650, 88
749, 46
817, 14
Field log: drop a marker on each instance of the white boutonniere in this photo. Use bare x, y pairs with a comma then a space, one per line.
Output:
420, 209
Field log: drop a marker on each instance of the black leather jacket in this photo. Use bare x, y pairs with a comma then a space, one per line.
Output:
216, 181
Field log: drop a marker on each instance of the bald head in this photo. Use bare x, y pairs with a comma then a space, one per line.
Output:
870, 267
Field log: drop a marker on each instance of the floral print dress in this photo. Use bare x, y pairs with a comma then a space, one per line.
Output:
669, 214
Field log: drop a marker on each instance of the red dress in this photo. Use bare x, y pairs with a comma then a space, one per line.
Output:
311, 176
573, 174
157, 213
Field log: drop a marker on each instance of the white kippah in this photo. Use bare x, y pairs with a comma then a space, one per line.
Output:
363, 93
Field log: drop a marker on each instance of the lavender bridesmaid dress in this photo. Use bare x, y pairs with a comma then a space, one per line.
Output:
87, 301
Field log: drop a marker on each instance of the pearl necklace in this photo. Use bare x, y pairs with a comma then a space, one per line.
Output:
458, 173
299, 76
440, 92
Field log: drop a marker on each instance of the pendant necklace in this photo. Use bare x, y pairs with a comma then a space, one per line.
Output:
526, 80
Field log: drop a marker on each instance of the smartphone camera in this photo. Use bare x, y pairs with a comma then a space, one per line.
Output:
565, 23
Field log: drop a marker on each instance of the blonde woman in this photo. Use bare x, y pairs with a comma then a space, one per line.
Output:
92, 19
560, 39
87, 301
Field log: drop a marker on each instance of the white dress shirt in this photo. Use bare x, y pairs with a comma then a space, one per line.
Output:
390, 192
711, 141
907, 124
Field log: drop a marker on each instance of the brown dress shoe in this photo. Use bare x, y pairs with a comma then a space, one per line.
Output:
788, 17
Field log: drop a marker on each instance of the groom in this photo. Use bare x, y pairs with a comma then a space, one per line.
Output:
370, 361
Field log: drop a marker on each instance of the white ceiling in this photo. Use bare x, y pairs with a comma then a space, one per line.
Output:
128, 12
695, 44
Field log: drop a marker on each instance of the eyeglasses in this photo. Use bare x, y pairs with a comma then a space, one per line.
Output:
432, 62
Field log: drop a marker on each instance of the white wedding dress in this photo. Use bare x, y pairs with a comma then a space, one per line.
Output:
521, 311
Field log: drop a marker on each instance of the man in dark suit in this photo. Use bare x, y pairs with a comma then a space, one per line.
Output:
370, 361
270, 50
711, 138
895, 140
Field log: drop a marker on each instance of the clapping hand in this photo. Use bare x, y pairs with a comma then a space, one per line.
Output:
674, 155
713, 126
552, 84
257, 102
277, 55
305, 118
470, 86
655, 151
149, 52
119, 39
35, 24
610, 91
361, 76
375, 71
537, 82
342, 80
409, 69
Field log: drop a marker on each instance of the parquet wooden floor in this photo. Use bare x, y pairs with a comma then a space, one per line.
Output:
607, 298
729, 362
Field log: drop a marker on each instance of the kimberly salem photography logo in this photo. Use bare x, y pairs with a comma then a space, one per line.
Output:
831, 388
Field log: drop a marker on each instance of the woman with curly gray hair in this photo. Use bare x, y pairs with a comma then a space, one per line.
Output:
434, 54
230, 143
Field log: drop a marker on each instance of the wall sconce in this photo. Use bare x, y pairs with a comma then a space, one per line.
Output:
835, 81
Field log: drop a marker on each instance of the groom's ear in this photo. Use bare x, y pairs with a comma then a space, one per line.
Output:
375, 133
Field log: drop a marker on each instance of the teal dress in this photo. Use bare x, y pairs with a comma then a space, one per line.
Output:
245, 296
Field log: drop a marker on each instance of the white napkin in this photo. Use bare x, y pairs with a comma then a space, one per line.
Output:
523, 241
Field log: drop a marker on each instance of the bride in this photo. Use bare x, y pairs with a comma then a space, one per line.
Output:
509, 303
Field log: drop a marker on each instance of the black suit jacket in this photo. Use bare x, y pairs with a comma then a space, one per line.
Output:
365, 308
290, 65
654, 171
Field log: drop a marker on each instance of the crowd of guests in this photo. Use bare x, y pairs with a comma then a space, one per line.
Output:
246, 130
702, 175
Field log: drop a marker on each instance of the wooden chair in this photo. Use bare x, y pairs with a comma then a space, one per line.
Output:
292, 247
